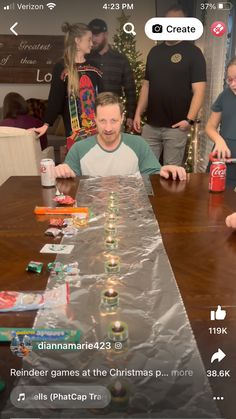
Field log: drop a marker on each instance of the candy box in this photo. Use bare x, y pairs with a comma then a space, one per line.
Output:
34, 267
24, 301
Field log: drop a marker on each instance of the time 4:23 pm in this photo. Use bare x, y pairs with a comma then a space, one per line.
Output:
118, 6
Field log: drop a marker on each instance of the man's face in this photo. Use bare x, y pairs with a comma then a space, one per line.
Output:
100, 41
175, 13
109, 120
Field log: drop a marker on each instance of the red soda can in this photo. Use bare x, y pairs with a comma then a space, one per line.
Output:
217, 176
47, 171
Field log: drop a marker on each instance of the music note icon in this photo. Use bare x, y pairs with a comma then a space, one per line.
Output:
21, 397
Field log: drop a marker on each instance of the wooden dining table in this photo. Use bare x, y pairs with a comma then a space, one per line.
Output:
200, 248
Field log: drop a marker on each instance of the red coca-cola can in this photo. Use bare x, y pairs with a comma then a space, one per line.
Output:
47, 170
217, 176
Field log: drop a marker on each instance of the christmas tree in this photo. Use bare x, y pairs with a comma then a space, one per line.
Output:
126, 44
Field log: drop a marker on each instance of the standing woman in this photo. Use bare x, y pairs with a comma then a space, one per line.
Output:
74, 86
221, 125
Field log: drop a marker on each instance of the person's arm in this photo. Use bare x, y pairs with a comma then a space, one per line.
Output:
197, 99
40, 130
220, 149
71, 166
99, 83
73, 159
57, 95
195, 105
42, 137
198, 83
148, 164
142, 105
56, 99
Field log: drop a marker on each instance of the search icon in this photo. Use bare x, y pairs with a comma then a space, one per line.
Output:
129, 28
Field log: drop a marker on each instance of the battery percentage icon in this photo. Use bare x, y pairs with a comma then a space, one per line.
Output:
225, 6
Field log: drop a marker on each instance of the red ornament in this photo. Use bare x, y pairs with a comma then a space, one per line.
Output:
64, 199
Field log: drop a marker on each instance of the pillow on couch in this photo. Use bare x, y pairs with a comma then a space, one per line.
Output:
37, 107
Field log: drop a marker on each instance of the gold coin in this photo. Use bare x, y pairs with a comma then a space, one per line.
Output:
176, 58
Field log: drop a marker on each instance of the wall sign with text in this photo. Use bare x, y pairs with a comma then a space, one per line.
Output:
29, 58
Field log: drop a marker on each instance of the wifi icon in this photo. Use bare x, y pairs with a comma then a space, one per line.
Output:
51, 5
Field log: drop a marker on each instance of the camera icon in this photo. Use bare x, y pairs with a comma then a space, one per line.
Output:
157, 28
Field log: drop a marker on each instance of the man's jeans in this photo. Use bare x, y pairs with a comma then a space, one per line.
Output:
172, 141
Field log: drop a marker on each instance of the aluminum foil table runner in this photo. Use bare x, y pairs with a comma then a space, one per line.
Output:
160, 336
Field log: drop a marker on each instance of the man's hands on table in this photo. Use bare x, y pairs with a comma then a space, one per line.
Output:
64, 171
173, 172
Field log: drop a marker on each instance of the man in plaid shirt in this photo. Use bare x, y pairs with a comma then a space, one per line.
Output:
117, 75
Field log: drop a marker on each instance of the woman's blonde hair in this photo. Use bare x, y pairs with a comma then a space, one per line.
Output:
73, 31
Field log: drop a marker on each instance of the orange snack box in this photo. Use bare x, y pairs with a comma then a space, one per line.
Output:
61, 210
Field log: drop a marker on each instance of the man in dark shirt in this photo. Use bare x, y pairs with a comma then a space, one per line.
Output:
172, 93
117, 75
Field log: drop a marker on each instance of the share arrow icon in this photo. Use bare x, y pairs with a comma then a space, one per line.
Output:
219, 355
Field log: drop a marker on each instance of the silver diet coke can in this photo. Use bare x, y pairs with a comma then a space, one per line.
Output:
47, 170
